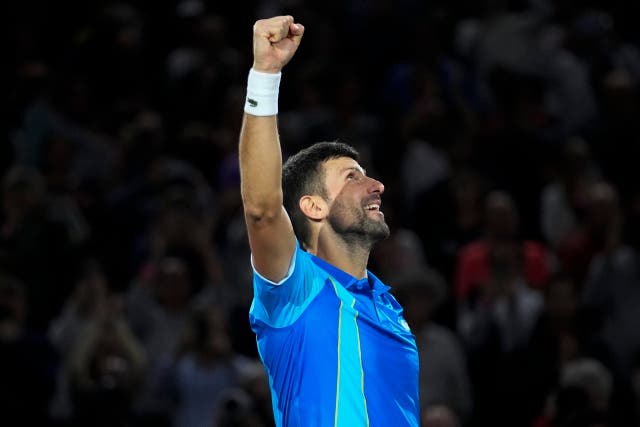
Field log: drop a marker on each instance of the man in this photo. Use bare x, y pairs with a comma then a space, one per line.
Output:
333, 341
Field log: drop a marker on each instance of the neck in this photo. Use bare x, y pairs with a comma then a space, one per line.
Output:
350, 256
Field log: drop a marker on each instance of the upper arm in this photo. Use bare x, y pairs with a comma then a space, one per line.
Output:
272, 243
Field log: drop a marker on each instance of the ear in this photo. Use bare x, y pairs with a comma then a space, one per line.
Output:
314, 207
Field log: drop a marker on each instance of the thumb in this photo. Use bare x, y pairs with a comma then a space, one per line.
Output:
296, 29
295, 32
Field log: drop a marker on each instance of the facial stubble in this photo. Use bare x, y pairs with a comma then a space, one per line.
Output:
355, 226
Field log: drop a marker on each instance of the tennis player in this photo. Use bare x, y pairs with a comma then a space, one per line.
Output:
333, 340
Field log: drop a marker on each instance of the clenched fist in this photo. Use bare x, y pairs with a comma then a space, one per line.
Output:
275, 40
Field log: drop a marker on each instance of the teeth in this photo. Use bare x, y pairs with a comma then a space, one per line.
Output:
372, 207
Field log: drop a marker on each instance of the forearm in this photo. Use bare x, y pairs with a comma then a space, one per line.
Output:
260, 166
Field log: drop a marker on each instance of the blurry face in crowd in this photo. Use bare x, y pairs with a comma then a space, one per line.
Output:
501, 215
216, 340
354, 201
173, 285
602, 206
439, 416
561, 299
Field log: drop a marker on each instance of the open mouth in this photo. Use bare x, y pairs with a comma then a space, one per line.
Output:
373, 206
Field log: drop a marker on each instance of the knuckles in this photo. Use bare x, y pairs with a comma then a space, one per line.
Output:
279, 23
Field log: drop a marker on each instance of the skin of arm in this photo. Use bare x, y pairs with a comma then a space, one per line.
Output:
271, 235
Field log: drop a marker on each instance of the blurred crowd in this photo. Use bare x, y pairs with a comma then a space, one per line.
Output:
506, 133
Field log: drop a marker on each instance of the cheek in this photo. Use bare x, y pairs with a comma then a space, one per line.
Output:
348, 196
342, 204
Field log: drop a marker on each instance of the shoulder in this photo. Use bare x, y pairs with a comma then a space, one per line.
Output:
281, 304
300, 265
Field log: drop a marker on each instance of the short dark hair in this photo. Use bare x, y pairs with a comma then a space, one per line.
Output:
302, 174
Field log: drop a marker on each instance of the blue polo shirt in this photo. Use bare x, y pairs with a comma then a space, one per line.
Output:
336, 349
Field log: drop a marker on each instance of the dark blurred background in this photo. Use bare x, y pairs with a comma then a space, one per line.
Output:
506, 133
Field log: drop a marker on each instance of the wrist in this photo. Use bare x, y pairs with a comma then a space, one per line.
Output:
263, 88
262, 68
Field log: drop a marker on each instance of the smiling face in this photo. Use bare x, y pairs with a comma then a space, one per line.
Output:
354, 201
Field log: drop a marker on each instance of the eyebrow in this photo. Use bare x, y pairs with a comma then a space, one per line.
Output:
355, 169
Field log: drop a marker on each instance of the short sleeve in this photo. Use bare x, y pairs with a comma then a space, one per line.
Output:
280, 304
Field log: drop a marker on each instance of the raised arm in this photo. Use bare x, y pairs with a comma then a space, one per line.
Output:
271, 236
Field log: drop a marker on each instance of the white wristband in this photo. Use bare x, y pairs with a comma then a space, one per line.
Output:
262, 93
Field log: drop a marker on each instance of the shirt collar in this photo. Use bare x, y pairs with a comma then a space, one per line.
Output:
347, 280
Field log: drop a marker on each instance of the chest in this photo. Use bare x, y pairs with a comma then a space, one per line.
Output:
374, 323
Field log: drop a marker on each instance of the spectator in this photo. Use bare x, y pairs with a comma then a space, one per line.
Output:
480, 262
204, 368
444, 381
28, 361
91, 301
34, 246
157, 309
564, 199
497, 316
582, 398
106, 368
611, 292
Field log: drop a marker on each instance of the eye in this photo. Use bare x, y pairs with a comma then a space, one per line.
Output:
354, 176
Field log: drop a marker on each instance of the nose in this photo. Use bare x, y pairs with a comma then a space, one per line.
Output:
376, 186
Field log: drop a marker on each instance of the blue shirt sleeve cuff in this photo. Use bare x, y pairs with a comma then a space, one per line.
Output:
284, 279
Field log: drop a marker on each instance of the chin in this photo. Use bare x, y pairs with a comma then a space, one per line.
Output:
379, 231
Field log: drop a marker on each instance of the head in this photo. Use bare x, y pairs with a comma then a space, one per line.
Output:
91, 289
13, 300
439, 416
325, 183
501, 216
603, 210
591, 376
23, 191
562, 297
208, 333
421, 291
173, 284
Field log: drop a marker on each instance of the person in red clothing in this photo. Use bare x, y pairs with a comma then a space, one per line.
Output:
480, 261
499, 302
